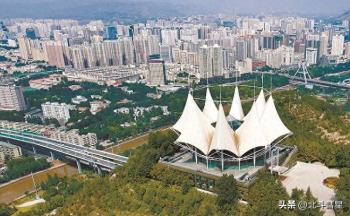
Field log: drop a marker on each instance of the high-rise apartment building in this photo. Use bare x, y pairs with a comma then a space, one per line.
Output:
30, 33
76, 56
347, 50
241, 50
165, 53
205, 62
169, 37
54, 52
11, 97
210, 61
337, 45
110, 33
217, 60
311, 56
156, 74
323, 45
313, 41
24, 47
153, 44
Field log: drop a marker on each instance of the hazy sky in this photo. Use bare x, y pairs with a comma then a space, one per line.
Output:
114, 8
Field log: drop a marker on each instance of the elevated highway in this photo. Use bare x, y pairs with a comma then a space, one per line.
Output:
90, 156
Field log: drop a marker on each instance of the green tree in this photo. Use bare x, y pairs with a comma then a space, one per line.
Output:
343, 156
34, 120
343, 191
299, 195
22, 166
227, 192
265, 194
12, 116
6, 210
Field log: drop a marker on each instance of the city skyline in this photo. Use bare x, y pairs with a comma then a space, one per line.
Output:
158, 110
136, 9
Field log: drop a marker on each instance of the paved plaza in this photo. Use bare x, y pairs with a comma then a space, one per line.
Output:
304, 175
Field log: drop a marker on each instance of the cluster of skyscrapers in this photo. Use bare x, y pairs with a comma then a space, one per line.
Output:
200, 45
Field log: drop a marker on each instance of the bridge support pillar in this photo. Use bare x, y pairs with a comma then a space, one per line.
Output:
99, 171
34, 150
78, 165
52, 155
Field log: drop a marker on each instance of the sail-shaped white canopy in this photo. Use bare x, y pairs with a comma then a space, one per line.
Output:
250, 134
261, 127
210, 110
194, 127
272, 124
236, 110
223, 138
259, 105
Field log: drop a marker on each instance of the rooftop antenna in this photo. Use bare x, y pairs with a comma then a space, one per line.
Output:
220, 94
207, 79
189, 84
254, 89
236, 77
271, 85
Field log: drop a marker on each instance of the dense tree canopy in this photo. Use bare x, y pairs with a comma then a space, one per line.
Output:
12, 116
265, 194
227, 193
23, 166
343, 191
300, 195
6, 210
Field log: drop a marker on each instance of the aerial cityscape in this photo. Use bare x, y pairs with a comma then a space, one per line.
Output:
140, 107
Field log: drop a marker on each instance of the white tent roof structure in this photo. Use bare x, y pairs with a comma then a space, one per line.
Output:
259, 104
272, 125
236, 110
250, 134
261, 127
210, 110
194, 127
223, 138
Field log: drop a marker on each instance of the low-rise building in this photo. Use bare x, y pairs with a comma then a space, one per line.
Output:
79, 99
139, 111
71, 136
154, 96
74, 137
123, 110
46, 83
113, 75
98, 106
24, 126
126, 90
10, 150
127, 124
56, 111
75, 87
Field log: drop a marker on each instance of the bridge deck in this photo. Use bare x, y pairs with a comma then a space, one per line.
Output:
90, 155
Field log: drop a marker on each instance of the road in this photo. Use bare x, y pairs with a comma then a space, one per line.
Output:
91, 156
